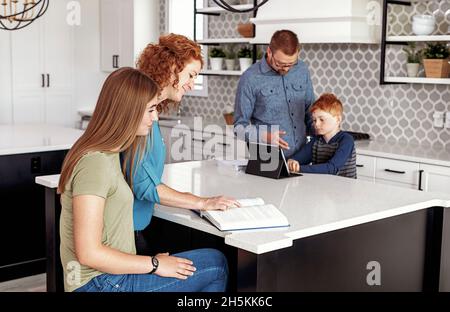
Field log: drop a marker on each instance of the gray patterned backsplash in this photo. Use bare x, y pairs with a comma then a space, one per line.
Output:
392, 112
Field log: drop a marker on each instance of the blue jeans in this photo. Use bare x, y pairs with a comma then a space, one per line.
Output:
211, 276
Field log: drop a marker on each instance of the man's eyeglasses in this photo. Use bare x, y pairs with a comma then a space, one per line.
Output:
283, 65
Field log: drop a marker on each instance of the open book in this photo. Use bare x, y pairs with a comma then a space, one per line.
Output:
253, 214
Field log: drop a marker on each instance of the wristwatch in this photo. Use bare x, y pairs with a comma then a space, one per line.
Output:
155, 264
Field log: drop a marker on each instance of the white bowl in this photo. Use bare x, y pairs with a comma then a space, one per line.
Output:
424, 19
422, 30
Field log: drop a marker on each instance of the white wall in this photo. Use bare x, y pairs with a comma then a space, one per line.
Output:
5, 78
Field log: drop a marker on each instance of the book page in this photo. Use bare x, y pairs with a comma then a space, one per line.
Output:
247, 217
251, 201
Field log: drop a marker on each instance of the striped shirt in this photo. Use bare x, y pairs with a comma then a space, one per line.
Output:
336, 157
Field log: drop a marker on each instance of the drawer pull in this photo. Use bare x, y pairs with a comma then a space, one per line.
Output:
420, 180
395, 171
224, 144
359, 166
198, 140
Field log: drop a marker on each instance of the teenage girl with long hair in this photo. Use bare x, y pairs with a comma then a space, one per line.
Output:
96, 227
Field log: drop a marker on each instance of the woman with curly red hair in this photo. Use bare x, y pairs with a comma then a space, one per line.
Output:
173, 63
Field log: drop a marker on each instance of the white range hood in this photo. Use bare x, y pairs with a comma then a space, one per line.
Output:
321, 21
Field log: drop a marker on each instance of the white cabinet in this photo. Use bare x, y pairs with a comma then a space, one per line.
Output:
116, 26
388, 171
42, 68
126, 27
435, 178
408, 174
402, 173
183, 144
365, 167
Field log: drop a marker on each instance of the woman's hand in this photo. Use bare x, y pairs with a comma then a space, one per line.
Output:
218, 203
170, 266
293, 165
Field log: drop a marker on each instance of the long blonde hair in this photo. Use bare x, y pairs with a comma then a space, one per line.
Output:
115, 121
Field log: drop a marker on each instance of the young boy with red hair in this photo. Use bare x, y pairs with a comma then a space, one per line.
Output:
331, 151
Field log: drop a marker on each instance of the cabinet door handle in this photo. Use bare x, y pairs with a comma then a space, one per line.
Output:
420, 180
224, 144
198, 140
48, 80
394, 171
359, 166
43, 80
115, 61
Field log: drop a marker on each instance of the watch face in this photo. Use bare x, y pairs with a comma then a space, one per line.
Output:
155, 262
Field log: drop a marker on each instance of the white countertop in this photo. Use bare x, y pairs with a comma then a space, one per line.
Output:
378, 148
32, 138
310, 207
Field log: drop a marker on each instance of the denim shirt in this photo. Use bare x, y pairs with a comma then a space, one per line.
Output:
147, 177
264, 97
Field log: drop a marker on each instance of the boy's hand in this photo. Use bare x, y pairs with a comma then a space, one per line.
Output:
170, 266
275, 138
293, 165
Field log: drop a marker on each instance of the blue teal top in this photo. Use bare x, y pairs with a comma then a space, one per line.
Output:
147, 177
265, 98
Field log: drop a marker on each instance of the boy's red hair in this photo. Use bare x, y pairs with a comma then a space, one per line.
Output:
329, 103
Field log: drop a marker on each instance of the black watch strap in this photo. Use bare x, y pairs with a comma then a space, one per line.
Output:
155, 264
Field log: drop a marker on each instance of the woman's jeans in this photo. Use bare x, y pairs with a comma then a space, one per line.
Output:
211, 276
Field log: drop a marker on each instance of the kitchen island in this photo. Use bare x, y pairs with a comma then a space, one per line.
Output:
344, 234
27, 151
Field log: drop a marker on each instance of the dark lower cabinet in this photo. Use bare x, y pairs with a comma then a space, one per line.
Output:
22, 222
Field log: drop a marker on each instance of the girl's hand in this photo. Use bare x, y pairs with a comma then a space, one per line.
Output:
219, 203
170, 266
293, 165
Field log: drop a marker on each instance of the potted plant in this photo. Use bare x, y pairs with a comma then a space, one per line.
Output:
259, 54
230, 59
414, 57
245, 58
216, 58
228, 114
435, 60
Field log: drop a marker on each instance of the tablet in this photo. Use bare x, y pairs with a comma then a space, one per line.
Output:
268, 161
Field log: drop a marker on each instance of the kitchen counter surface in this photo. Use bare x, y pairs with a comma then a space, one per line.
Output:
378, 148
309, 207
32, 138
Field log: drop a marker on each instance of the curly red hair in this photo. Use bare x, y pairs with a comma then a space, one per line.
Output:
169, 57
